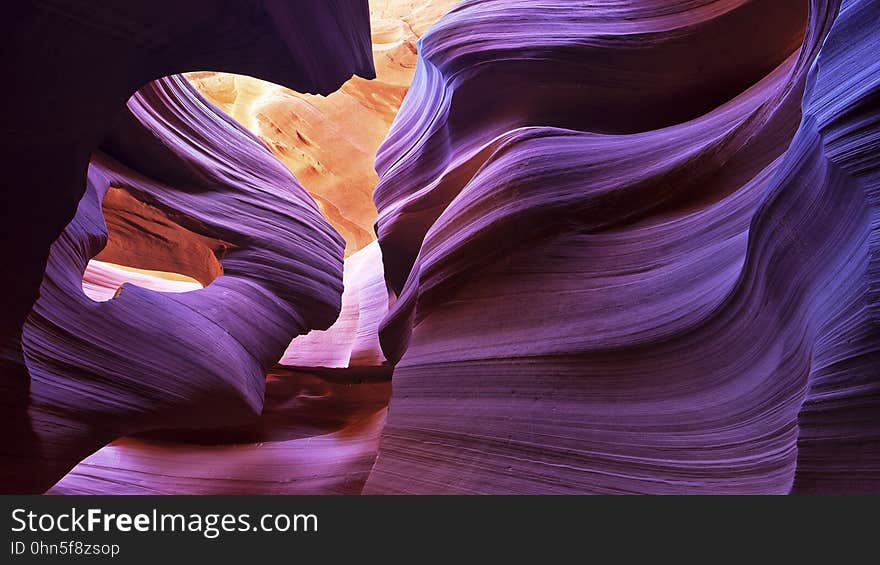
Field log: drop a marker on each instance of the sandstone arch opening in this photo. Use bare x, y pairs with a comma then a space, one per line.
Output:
326, 399
147, 248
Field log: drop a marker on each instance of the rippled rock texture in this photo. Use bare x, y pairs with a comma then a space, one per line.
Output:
185, 190
625, 247
629, 249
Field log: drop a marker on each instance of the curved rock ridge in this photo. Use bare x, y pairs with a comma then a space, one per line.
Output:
73, 65
460, 115
623, 247
619, 260
318, 432
198, 194
353, 340
839, 442
73, 380
315, 436
330, 142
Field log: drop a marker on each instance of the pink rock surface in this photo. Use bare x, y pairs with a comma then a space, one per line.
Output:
102, 281
353, 340
625, 247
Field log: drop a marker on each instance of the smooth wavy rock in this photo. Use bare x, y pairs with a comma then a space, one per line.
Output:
623, 247
313, 437
330, 142
185, 190
71, 66
839, 442
609, 272
319, 430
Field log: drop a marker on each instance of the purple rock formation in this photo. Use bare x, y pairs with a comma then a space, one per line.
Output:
616, 276
71, 66
839, 422
318, 432
202, 197
191, 183
622, 248
315, 436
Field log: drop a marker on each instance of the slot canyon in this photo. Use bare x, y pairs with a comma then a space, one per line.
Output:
441, 247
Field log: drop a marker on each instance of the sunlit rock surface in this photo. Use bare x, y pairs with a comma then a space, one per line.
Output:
623, 247
330, 142
103, 281
77, 373
71, 66
353, 340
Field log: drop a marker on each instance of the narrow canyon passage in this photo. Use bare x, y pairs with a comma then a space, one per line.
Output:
447, 247
326, 399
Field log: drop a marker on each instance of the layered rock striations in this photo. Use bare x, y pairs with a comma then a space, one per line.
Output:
329, 390
619, 258
72, 66
318, 432
622, 248
186, 190
839, 428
